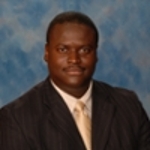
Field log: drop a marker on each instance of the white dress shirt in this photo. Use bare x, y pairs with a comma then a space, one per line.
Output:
71, 100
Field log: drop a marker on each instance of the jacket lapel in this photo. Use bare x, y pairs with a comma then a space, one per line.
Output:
61, 118
102, 116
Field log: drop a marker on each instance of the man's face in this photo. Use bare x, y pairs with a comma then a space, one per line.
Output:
71, 55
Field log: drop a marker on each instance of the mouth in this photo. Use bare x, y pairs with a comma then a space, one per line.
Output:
74, 70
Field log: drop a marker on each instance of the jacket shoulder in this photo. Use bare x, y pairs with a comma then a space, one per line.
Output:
28, 101
119, 96
126, 102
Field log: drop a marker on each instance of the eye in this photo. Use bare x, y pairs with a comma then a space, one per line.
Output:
62, 50
85, 50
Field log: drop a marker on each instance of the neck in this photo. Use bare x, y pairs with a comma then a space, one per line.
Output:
75, 91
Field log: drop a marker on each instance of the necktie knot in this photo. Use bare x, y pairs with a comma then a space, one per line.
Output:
79, 106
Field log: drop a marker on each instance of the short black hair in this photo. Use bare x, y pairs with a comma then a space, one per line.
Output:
73, 17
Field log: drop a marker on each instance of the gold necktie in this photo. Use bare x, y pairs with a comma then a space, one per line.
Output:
84, 124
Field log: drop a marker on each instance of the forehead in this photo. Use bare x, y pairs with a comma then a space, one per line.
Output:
69, 28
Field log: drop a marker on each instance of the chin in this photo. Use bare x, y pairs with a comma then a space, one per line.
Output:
77, 83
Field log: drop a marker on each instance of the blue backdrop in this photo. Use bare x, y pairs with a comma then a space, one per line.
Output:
124, 47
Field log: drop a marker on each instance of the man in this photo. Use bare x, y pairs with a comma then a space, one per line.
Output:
45, 118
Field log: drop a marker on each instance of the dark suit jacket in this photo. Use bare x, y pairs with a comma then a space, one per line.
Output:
40, 120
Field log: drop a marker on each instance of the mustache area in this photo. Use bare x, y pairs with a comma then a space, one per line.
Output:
74, 69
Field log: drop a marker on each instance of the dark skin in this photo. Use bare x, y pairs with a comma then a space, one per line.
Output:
71, 57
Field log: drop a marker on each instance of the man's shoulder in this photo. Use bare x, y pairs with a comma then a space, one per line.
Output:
25, 111
125, 101
30, 98
118, 94
109, 88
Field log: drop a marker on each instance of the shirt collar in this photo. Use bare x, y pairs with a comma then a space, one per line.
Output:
71, 100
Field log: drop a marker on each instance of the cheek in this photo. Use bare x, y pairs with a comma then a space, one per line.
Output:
90, 61
57, 62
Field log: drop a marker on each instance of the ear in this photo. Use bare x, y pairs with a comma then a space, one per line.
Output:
46, 53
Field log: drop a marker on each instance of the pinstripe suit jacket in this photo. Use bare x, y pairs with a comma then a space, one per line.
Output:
40, 120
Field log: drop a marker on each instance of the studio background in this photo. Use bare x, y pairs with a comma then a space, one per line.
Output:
124, 47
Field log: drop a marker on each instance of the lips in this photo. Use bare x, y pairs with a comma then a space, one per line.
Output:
74, 70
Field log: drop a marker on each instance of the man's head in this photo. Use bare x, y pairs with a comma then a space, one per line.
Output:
72, 17
70, 52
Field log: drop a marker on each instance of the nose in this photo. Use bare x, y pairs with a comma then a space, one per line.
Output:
74, 57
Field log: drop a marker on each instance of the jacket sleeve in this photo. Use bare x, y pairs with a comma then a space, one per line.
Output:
144, 132
136, 117
11, 136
